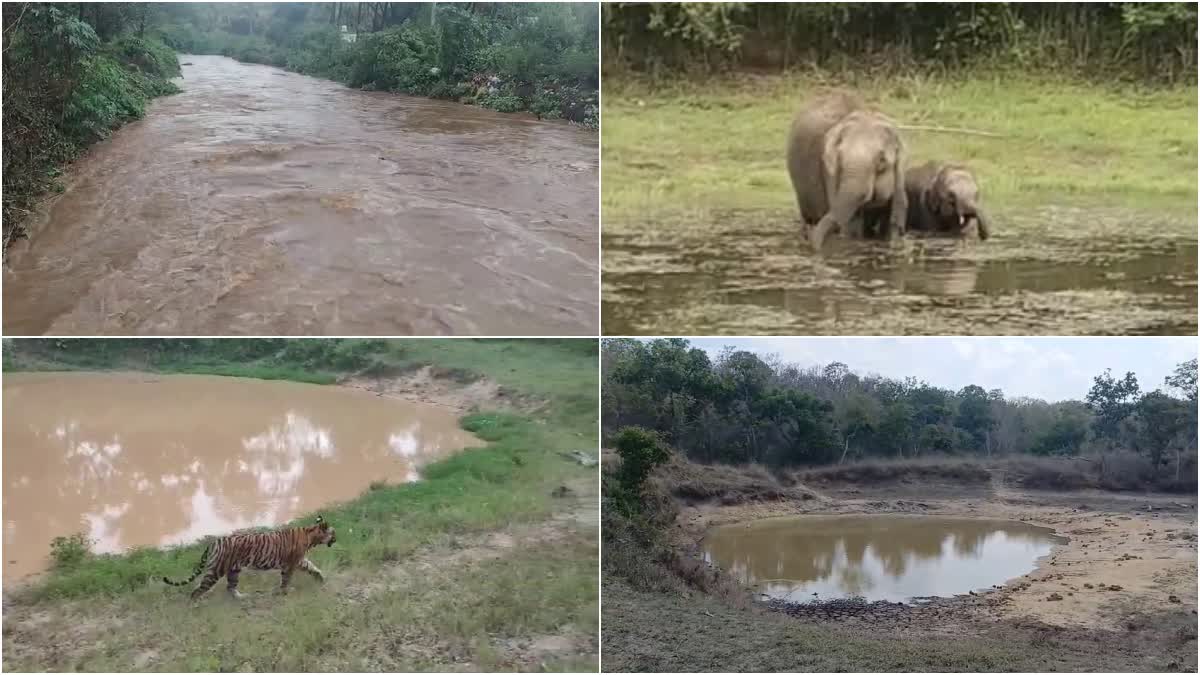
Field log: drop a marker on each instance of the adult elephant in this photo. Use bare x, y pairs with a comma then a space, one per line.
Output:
847, 168
944, 198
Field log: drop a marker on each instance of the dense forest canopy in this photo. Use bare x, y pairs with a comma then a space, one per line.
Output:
1133, 40
741, 407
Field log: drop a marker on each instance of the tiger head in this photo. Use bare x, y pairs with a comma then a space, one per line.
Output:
322, 533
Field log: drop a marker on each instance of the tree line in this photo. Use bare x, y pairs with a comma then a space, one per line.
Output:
741, 407
1129, 40
541, 57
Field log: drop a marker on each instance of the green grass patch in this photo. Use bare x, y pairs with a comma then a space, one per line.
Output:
677, 152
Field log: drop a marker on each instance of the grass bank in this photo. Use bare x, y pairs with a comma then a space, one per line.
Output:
418, 579
676, 152
65, 89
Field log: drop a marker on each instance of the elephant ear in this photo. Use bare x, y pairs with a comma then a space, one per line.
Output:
830, 162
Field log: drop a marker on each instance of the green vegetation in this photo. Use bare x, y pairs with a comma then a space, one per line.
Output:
507, 57
1092, 103
404, 566
679, 153
70, 78
740, 408
1105, 41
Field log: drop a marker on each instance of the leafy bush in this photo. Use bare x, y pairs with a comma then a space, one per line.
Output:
71, 550
148, 56
64, 89
641, 450
502, 103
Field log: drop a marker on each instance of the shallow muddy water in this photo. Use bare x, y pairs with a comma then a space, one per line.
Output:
1091, 272
139, 459
263, 202
888, 557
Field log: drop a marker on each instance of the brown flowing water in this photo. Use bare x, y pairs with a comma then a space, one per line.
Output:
1048, 270
260, 201
138, 459
880, 557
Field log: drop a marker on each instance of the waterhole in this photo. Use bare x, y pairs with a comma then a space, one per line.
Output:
1050, 270
893, 558
140, 459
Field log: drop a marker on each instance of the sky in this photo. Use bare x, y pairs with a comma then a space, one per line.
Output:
1053, 369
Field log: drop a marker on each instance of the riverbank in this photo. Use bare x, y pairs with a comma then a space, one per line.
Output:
541, 59
1126, 578
488, 562
46, 128
1092, 191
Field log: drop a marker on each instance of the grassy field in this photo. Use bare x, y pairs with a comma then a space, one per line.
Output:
677, 152
475, 566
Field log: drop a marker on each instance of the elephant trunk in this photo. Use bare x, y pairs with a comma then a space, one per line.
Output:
982, 224
848, 199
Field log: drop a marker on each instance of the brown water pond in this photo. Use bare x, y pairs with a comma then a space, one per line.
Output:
878, 557
1048, 270
137, 459
263, 202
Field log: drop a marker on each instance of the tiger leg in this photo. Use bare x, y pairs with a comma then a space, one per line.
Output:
312, 569
286, 579
233, 582
209, 580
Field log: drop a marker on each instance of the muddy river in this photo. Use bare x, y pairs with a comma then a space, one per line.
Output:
137, 459
264, 202
1048, 270
888, 557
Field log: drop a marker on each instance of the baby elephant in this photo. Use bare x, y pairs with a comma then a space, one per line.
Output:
944, 198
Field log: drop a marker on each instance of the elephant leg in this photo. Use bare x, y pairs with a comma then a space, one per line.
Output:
898, 218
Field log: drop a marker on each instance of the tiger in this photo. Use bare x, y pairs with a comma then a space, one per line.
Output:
283, 549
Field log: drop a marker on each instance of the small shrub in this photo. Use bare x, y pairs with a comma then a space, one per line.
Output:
71, 550
500, 103
547, 104
640, 450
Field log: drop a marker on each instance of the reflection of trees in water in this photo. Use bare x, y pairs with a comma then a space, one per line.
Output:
186, 471
801, 552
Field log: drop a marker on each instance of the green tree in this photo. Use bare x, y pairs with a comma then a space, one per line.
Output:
1112, 401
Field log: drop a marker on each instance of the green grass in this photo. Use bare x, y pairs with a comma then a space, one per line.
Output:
677, 152
505, 483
